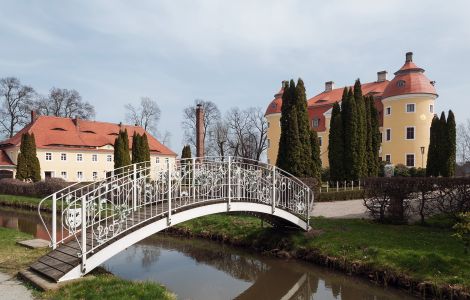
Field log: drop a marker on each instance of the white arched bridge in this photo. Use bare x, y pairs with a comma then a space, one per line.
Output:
92, 223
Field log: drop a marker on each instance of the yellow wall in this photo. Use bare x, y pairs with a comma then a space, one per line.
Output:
398, 147
274, 134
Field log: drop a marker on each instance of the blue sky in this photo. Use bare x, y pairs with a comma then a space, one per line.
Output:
235, 53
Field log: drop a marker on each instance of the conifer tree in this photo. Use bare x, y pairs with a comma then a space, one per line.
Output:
362, 161
350, 136
432, 164
121, 150
306, 163
315, 172
28, 167
137, 150
375, 139
118, 152
335, 145
451, 145
186, 153
145, 147
442, 145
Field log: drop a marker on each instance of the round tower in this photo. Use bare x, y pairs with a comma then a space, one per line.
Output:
273, 116
408, 102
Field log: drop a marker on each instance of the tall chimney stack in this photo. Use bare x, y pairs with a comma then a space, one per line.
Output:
33, 116
199, 131
329, 85
381, 76
409, 56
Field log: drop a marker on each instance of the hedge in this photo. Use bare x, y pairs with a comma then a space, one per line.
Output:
38, 189
340, 195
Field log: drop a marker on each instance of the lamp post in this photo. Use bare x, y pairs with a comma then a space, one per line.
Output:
422, 157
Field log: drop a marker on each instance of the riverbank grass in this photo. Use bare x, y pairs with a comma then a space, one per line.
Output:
23, 202
422, 253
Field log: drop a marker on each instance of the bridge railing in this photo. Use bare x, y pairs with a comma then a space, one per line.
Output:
98, 212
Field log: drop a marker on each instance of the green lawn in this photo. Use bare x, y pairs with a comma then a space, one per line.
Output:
23, 201
422, 252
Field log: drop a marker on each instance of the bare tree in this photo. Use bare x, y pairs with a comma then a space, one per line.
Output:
64, 103
211, 117
463, 142
247, 132
218, 140
16, 101
146, 115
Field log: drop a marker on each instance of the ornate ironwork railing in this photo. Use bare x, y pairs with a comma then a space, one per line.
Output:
98, 212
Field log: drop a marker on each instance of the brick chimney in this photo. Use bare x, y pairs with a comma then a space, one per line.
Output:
33, 116
329, 85
199, 131
381, 76
76, 122
409, 56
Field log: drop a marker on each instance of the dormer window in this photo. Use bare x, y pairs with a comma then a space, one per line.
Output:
59, 129
315, 122
89, 131
401, 83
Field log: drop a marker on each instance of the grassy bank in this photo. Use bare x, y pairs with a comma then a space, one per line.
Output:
14, 257
24, 202
422, 258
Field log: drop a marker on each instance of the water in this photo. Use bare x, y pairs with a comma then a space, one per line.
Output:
199, 269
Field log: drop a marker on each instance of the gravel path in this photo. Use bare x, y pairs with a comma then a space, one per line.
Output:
340, 209
10, 288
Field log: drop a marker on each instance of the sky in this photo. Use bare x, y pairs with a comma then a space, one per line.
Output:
234, 53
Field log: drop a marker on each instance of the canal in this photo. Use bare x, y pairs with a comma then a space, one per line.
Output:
199, 269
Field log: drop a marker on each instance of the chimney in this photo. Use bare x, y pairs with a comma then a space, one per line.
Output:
75, 121
381, 76
329, 85
409, 57
199, 131
33, 116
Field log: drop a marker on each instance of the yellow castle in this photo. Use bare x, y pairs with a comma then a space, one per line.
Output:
405, 108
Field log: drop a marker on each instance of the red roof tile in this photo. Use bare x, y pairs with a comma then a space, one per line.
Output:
53, 132
4, 159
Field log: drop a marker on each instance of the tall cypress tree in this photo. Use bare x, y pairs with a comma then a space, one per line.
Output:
145, 147
306, 162
335, 145
136, 151
442, 145
315, 172
121, 150
368, 137
432, 163
362, 161
28, 167
375, 139
451, 145
350, 136
118, 152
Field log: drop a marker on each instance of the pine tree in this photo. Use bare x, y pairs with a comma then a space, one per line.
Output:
307, 167
136, 148
442, 145
432, 164
28, 167
451, 145
118, 152
335, 145
186, 153
362, 161
145, 148
121, 150
350, 136
375, 139
125, 148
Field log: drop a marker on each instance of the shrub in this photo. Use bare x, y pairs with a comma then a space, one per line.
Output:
402, 171
462, 229
325, 174
394, 198
340, 195
38, 189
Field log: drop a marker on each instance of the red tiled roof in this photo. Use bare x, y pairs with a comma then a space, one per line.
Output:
4, 159
330, 97
409, 80
276, 104
53, 132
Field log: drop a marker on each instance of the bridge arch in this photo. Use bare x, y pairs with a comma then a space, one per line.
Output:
99, 220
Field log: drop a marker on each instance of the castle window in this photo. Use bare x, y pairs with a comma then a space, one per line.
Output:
315, 122
79, 175
63, 156
388, 158
79, 157
410, 133
388, 111
63, 174
388, 134
410, 108
320, 140
94, 157
431, 108
109, 158
157, 160
401, 83
269, 124
410, 160
95, 175
48, 156
269, 143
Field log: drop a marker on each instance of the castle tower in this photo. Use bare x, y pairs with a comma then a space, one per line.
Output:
408, 109
273, 116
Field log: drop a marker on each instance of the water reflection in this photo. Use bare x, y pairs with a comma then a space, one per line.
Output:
196, 269
24, 221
